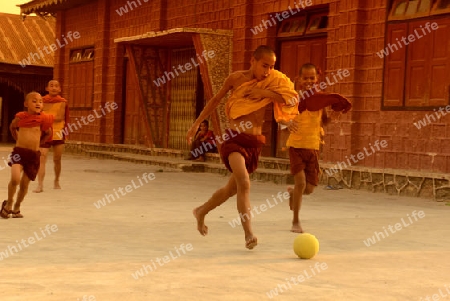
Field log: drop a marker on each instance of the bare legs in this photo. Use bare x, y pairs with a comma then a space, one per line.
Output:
15, 181
57, 154
301, 187
239, 183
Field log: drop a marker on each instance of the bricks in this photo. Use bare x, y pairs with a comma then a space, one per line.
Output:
356, 30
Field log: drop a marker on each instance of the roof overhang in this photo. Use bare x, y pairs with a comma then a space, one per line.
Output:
172, 38
46, 8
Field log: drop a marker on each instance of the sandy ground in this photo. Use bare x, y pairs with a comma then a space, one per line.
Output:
144, 244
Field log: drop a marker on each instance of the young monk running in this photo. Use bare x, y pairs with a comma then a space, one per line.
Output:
57, 106
29, 129
252, 90
304, 143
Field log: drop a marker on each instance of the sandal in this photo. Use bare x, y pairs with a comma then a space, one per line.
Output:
16, 214
4, 212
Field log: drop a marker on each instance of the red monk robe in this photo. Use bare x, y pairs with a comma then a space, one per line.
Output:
27, 120
317, 101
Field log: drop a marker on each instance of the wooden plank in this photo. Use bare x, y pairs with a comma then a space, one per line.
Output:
135, 80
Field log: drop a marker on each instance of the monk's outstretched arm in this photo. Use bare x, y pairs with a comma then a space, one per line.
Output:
210, 107
318, 101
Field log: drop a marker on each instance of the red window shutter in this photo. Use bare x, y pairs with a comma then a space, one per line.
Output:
394, 70
417, 84
440, 64
427, 79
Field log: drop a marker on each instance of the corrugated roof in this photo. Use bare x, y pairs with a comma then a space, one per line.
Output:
24, 40
48, 7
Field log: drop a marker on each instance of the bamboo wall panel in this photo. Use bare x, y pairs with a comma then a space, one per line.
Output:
182, 98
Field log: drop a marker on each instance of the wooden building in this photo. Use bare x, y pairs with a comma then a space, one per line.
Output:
396, 54
24, 66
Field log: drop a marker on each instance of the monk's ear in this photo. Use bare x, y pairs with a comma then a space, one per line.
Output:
252, 61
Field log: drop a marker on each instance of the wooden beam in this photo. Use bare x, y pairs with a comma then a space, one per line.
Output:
135, 79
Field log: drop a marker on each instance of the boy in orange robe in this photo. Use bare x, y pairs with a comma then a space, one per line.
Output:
57, 106
252, 90
305, 138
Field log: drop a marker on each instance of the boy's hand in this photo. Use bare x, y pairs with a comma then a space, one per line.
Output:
14, 134
292, 125
46, 135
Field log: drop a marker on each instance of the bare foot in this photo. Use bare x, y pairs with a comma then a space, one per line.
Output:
56, 185
291, 196
296, 228
201, 227
39, 189
251, 242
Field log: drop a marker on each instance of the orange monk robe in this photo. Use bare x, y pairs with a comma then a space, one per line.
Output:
238, 105
58, 107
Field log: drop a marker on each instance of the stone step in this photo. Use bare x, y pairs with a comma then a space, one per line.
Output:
269, 169
261, 174
397, 182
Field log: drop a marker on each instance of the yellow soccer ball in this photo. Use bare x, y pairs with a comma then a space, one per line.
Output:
306, 246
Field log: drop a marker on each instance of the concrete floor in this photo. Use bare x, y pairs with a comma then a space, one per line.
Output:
144, 244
